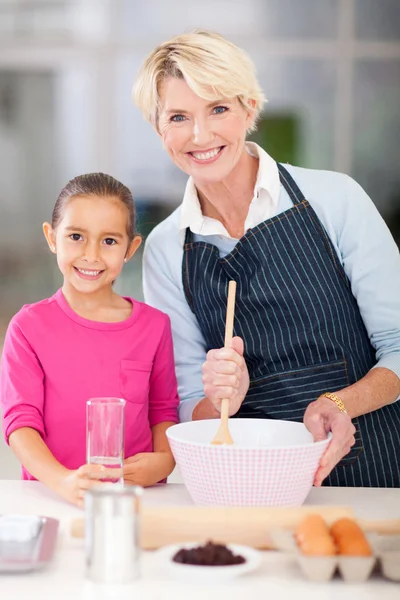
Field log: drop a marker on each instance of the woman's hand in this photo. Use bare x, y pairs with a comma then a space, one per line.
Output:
321, 417
225, 375
148, 468
73, 485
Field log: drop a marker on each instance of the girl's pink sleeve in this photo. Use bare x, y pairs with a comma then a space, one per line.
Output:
21, 384
163, 395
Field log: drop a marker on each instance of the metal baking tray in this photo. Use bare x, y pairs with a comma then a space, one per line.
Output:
32, 552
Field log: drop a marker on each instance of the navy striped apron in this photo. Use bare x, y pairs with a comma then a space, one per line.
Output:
301, 326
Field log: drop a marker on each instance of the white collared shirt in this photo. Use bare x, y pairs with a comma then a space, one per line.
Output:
263, 205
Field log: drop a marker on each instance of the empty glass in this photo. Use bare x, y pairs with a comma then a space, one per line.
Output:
105, 426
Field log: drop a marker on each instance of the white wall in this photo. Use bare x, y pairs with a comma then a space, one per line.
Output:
9, 466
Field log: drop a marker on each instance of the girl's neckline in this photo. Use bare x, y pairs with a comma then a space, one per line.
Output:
116, 326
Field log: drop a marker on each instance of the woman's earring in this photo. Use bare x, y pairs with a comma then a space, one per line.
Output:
53, 248
125, 260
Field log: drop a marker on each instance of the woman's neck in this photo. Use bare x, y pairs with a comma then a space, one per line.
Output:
228, 200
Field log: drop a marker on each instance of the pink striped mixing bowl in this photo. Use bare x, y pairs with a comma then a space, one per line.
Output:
271, 463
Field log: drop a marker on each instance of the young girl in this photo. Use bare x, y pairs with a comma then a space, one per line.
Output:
87, 341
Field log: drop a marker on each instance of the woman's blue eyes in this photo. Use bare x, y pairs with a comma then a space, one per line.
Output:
177, 118
76, 237
217, 110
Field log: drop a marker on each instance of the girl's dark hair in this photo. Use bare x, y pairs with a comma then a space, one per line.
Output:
96, 184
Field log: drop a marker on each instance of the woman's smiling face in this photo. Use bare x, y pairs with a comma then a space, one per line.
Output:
204, 139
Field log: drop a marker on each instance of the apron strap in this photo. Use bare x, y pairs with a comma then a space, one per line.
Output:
188, 236
294, 192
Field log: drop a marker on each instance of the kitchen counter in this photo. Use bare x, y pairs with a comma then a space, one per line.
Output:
277, 579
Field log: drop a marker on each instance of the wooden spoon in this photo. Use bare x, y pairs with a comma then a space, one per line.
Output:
223, 436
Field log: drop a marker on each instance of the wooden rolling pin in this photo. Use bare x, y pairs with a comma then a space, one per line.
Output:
163, 525
384, 527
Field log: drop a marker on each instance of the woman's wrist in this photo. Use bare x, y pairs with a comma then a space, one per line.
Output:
337, 400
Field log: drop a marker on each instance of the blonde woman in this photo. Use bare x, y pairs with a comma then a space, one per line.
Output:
318, 304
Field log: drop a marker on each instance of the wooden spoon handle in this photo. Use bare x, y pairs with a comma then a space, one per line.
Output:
230, 317
223, 435
230, 314
225, 410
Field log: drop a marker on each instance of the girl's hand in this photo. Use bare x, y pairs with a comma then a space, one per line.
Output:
148, 468
225, 375
73, 485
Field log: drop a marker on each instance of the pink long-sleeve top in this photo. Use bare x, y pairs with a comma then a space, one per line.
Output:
54, 361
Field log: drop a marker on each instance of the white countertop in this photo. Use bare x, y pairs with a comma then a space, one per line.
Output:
277, 579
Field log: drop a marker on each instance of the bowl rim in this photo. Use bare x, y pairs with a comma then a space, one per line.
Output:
236, 447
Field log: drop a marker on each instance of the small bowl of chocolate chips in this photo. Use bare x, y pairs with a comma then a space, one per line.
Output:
210, 561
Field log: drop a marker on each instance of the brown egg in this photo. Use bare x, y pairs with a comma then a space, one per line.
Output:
313, 537
349, 538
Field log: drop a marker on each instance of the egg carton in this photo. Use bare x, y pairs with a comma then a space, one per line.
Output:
353, 569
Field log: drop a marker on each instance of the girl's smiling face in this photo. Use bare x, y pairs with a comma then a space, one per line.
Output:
205, 139
91, 242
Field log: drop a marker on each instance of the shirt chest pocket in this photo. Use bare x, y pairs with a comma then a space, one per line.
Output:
135, 380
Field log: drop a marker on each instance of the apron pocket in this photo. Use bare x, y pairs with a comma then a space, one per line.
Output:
286, 395
134, 380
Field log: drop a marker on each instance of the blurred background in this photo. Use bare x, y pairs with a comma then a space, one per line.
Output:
330, 70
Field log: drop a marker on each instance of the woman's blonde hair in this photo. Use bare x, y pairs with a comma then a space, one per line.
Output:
213, 68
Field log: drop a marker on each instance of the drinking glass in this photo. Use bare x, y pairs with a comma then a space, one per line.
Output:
105, 427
